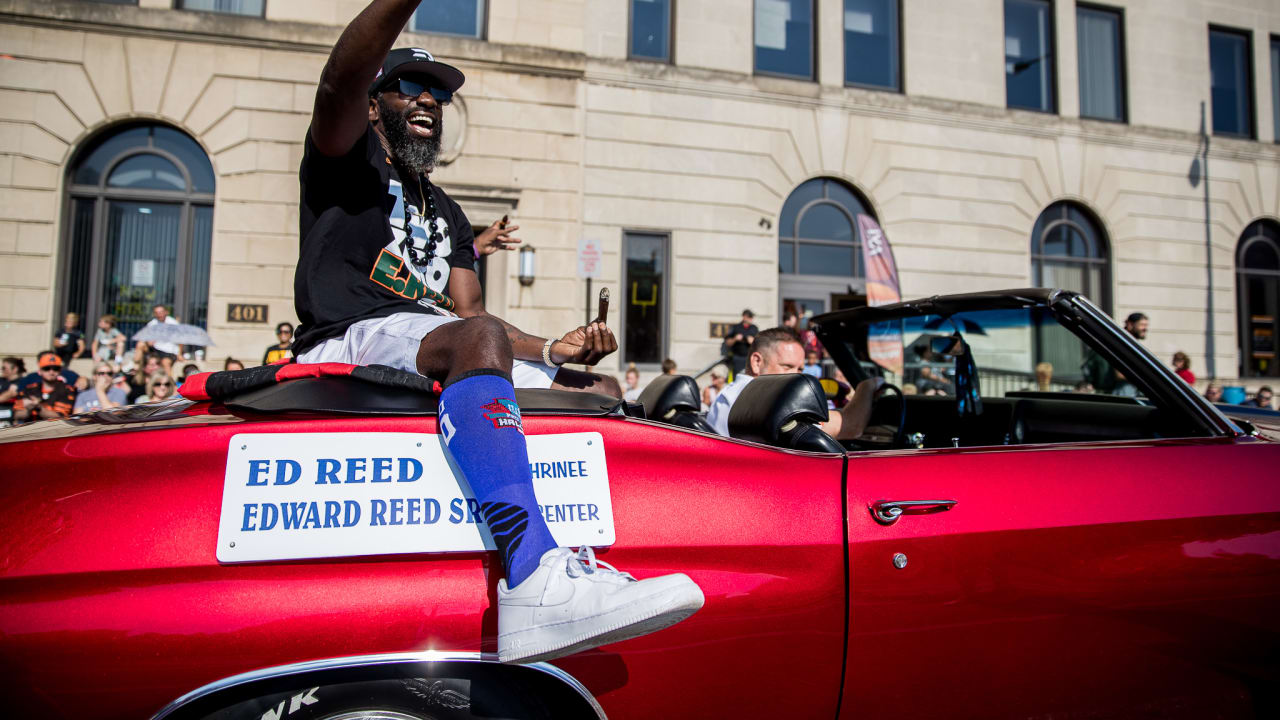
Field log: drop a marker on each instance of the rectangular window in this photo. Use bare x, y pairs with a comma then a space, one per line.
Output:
228, 7
1028, 55
784, 38
651, 29
1231, 82
1275, 86
645, 280
1100, 48
451, 17
871, 54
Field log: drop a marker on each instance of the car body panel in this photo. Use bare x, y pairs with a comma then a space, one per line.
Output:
90, 590
1119, 580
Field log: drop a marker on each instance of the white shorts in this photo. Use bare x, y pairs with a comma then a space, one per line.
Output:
394, 340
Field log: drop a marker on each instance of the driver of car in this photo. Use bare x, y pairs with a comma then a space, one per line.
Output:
386, 275
778, 351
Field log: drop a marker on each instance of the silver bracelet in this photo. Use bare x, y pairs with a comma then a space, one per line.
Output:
546, 354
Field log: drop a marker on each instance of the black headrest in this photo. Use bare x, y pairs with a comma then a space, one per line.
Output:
781, 410
667, 395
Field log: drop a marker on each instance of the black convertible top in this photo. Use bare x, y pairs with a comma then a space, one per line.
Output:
945, 305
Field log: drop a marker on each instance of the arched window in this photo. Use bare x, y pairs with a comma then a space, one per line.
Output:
1070, 251
140, 222
1258, 280
819, 252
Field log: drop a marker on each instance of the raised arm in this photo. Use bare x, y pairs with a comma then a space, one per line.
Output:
341, 112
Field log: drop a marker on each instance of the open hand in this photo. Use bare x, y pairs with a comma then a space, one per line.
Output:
586, 345
496, 237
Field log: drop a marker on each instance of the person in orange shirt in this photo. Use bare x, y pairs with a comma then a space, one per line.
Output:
47, 399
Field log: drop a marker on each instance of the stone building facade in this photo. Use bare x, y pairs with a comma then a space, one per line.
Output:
683, 165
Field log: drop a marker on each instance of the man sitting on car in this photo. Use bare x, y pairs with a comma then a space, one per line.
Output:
777, 351
386, 275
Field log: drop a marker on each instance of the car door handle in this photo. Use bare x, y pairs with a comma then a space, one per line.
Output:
887, 512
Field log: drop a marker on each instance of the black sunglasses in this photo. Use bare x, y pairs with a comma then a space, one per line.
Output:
413, 87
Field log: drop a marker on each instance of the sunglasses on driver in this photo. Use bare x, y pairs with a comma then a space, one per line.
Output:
415, 86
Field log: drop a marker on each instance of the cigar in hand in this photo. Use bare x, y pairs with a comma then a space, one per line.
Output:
604, 305
503, 225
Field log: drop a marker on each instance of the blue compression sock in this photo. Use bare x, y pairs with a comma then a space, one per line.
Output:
482, 429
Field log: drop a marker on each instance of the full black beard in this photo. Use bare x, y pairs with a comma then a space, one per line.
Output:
418, 155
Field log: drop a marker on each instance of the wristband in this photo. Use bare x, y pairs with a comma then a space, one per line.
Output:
546, 354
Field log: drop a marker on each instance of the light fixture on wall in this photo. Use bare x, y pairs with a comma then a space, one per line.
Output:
527, 255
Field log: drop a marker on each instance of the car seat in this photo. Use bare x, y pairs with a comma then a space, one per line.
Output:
673, 399
783, 411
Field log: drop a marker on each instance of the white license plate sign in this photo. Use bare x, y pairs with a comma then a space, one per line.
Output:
315, 495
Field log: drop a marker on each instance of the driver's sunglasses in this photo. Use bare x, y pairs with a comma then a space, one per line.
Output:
413, 87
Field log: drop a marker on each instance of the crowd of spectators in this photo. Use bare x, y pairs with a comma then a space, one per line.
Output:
148, 374
54, 390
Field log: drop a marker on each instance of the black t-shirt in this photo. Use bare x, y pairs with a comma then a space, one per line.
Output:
353, 264
70, 340
742, 347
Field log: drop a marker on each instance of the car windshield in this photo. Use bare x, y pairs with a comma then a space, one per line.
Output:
1015, 349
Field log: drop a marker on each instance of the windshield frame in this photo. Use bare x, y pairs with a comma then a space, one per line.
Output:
1073, 312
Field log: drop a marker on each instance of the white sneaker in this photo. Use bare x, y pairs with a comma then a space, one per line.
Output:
573, 602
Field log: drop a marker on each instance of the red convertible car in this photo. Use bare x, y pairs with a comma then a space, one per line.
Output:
1001, 543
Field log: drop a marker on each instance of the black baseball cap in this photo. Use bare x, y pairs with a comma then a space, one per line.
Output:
416, 61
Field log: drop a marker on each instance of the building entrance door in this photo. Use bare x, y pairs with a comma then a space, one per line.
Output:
809, 297
140, 230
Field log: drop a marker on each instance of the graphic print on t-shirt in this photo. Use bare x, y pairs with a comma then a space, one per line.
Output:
393, 270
